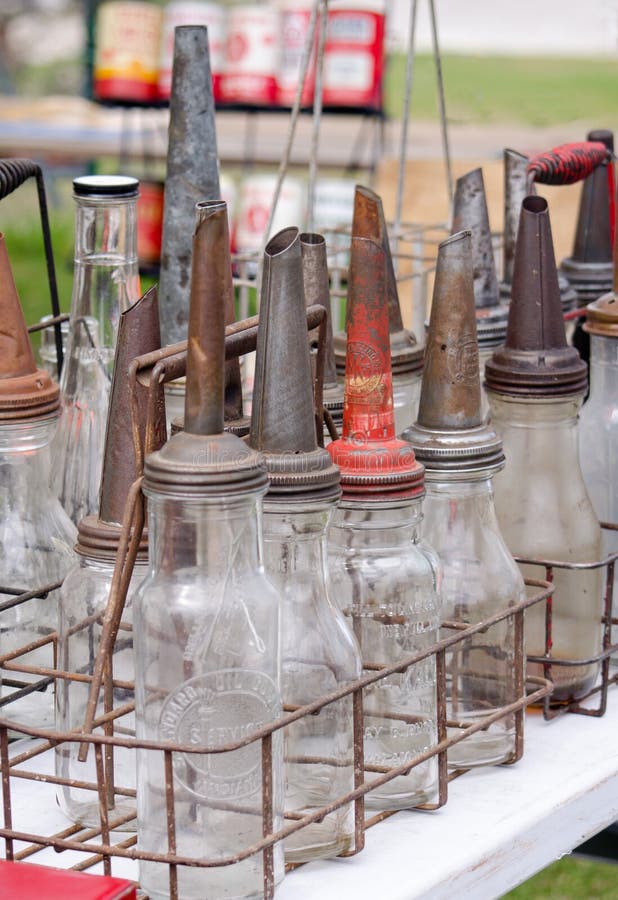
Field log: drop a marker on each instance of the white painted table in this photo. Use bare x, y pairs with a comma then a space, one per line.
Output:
501, 825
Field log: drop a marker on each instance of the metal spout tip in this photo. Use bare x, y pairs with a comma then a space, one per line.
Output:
535, 358
192, 172
25, 391
593, 242
470, 213
283, 421
515, 189
138, 333
16, 355
212, 298
451, 387
282, 418
317, 291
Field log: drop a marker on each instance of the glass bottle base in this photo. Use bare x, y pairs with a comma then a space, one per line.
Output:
570, 682
481, 749
406, 800
87, 814
308, 849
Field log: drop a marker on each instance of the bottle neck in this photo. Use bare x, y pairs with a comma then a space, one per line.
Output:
377, 526
295, 537
603, 367
25, 461
221, 538
105, 281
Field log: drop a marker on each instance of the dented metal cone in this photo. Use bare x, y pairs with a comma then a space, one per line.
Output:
373, 462
203, 460
283, 419
317, 291
450, 434
25, 391
535, 360
589, 269
138, 333
369, 222
470, 214
192, 173
516, 188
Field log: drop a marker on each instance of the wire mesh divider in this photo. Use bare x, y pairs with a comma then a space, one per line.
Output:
99, 845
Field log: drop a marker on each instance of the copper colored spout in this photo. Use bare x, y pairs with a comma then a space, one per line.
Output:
210, 281
138, 333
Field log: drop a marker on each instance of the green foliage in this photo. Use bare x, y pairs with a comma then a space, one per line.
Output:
570, 879
528, 90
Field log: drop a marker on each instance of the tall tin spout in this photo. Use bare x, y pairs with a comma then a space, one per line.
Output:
210, 280
192, 172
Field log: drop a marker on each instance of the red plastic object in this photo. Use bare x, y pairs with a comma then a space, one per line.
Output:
23, 881
568, 163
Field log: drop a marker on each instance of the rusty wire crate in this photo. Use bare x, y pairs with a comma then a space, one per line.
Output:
109, 842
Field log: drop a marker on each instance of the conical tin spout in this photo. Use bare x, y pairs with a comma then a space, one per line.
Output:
535, 360
470, 213
283, 421
192, 172
25, 391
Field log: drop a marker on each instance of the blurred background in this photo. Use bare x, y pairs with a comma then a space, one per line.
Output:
525, 75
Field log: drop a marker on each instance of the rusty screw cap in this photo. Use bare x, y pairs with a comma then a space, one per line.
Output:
375, 465
282, 419
203, 462
138, 333
602, 316
25, 391
470, 214
535, 361
450, 436
589, 268
369, 222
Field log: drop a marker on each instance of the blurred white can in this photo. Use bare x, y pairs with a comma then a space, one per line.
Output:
255, 203
251, 56
214, 17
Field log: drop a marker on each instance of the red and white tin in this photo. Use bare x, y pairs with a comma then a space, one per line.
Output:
214, 17
127, 51
295, 19
251, 56
354, 55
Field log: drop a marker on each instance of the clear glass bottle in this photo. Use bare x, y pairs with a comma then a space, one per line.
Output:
536, 384
206, 621
36, 548
84, 597
461, 453
385, 582
105, 283
598, 424
406, 396
318, 655
382, 577
552, 519
479, 578
207, 672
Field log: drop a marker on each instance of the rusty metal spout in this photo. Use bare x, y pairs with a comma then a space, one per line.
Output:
535, 360
470, 214
317, 290
211, 280
25, 391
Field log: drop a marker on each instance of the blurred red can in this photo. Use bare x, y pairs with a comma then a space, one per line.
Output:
127, 51
193, 12
354, 55
149, 222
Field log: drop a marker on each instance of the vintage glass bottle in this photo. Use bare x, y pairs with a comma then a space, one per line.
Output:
319, 653
36, 536
105, 283
383, 577
206, 620
536, 385
461, 454
86, 589
598, 422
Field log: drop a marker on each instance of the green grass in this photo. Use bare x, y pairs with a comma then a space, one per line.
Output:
570, 879
528, 90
